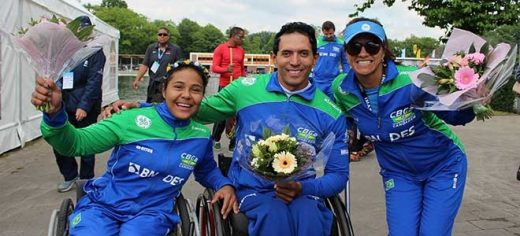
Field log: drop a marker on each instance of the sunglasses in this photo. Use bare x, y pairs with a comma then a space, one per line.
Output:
162, 34
354, 49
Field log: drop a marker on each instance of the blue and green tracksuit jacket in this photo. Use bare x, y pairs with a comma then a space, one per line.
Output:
260, 102
407, 141
154, 155
331, 57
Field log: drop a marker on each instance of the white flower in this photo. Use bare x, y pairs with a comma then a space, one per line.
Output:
284, 162
254, 163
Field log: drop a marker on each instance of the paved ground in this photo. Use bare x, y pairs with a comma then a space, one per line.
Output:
491, 203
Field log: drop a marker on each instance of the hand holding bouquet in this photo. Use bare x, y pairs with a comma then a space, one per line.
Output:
468, 76
55, 46
281, 157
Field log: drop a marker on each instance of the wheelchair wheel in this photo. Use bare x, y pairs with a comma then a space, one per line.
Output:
66, 208
184, 227
210, 220
341, 224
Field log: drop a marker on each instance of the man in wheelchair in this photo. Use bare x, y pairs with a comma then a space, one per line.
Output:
285, 97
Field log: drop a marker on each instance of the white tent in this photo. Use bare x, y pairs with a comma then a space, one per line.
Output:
19, 120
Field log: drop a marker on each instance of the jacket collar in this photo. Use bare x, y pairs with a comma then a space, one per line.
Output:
168, 45
349, 84
165, 114
274, 86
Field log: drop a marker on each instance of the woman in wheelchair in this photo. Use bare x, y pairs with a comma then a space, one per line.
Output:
155, 151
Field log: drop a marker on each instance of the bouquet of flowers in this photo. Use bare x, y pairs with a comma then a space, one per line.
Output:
469, 74
53, 46
280, 157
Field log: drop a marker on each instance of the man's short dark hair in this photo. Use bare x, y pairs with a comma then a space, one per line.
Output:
327, 25
296, 27
235, 31
164, 28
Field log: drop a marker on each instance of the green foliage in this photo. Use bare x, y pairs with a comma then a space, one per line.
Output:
426, 44
477, 16
114, 3
259, 43
503, 99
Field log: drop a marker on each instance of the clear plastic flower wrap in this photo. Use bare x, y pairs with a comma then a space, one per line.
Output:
469, 74
52, 48
279, 156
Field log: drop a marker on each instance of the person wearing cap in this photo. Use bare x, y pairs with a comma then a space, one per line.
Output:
331, 58
81, 91
157, 57
228, 61
423, 163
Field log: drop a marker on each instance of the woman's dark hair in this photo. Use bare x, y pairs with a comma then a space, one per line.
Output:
187, 64
296, 27
389, 55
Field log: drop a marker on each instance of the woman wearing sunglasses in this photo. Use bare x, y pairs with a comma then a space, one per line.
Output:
423, 163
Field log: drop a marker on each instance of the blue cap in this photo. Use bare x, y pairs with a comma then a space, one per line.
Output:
361, 27
84, 21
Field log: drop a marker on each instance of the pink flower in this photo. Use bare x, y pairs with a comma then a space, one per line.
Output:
457, 61
477, 58
466, 78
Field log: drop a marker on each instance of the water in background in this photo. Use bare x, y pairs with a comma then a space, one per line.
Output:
126, 92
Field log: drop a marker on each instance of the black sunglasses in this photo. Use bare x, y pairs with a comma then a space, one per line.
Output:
162, 34
354, 49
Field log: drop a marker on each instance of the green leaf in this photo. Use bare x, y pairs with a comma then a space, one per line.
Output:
267, 133
85, 33
286, 130
74, 25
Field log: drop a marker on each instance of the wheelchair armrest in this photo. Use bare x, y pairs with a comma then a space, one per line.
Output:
239, 224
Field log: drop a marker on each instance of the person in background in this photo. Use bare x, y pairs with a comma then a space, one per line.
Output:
228, 62
331, 59
157, 58
155, 150
423, 163
81, 92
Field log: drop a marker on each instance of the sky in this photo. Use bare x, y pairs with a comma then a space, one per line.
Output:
269, 15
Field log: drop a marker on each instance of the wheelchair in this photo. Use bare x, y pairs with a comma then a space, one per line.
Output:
59, 222
212, 224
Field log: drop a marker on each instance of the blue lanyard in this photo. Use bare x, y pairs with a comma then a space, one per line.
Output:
159, 54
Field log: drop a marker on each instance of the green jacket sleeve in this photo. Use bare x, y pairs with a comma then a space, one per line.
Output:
219, 106
71, 141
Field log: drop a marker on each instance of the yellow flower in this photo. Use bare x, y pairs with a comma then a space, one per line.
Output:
256, 151
272, 146
284, 162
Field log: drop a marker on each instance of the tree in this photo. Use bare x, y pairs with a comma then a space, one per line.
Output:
114, 3
187, 30
135, 30
261, 42
425, 44
477, 16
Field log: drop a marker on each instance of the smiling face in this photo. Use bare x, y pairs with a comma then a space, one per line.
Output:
294, 61
183, 93
367, 66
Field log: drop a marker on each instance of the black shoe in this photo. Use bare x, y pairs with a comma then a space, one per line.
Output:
518, 174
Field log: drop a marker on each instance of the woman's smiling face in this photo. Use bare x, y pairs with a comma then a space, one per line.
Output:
183, 93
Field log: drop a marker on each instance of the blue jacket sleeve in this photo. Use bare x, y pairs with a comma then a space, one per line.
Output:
94, 81
459, 117
208, 174
336, 171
